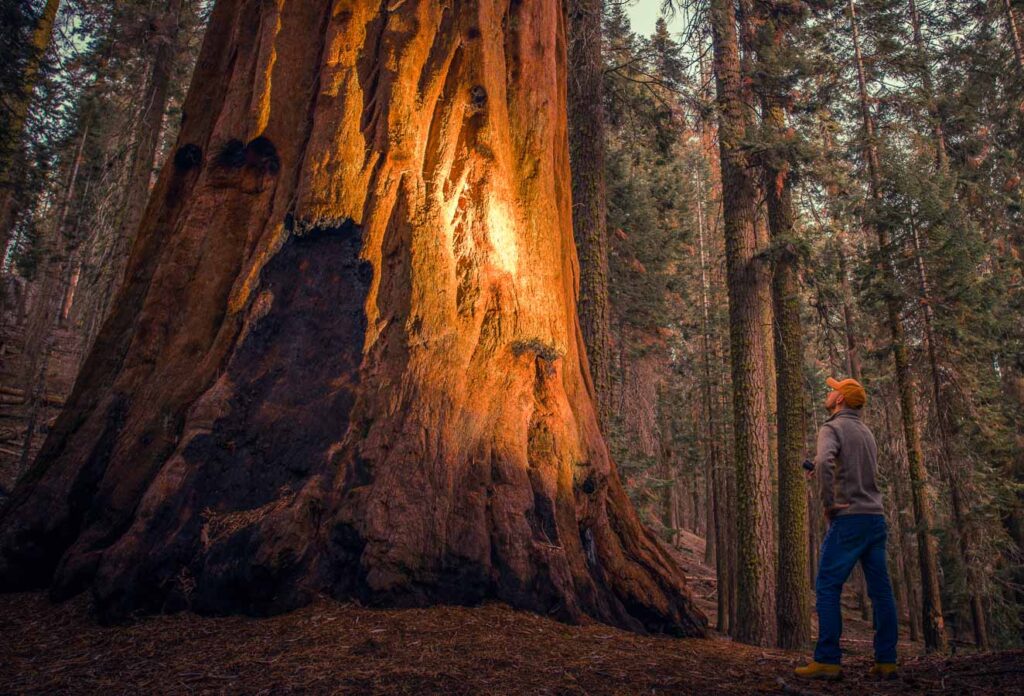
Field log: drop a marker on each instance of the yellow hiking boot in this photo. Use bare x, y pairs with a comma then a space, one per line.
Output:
883, 670
819, 670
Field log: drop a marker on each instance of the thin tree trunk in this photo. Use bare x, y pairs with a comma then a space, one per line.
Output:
957, 475
849, 327
1014, 31
924, 68
39, 334
904, 526
794, 609
934, 626
589, 208
710, 436
748, 286
142, 162
17, 108
955, 483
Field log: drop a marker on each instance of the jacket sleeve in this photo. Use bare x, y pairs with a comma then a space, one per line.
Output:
825, 464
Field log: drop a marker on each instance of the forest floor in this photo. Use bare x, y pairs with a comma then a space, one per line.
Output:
330, 647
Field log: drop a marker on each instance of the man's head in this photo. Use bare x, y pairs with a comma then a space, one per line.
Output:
847, 393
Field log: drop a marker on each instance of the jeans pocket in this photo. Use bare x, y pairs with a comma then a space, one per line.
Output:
850, 536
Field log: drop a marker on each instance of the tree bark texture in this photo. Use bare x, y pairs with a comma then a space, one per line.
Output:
1013, 30
748, 288
155, 92
589, 207
955, 472
346, 358
794, 608
17, 110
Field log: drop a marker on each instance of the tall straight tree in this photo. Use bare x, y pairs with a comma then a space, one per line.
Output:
777, 22
589, 206
1013, 30
164, 41
15, 111
347, 358
748, 280
928, 552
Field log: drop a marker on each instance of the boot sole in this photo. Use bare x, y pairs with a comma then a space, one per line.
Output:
822, 677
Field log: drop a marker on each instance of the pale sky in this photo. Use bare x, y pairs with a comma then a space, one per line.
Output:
643, 14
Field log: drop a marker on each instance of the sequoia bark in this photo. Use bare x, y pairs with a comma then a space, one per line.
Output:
346, 356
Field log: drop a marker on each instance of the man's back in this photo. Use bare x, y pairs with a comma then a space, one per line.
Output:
847, 460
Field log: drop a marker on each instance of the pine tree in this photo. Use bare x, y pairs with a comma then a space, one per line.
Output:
748, 283
589, 213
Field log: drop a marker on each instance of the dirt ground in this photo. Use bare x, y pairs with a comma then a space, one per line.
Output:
337, 648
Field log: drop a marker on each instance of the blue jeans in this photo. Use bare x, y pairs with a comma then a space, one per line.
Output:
852, 538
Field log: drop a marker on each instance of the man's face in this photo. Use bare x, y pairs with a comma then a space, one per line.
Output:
833, 401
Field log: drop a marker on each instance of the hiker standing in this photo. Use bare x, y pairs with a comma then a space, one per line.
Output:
846, 463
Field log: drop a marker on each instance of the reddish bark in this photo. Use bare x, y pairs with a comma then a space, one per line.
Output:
346, 357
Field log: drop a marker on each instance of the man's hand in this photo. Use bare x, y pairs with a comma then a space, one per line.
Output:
808, 467
830, 513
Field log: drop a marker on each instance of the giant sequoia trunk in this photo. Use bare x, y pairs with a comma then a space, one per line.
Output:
346, 357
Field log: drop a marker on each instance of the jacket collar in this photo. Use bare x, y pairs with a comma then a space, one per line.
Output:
845, 413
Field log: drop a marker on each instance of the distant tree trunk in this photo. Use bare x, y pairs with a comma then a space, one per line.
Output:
47, 315
748, 285
904, 525
17, 111
1014, 31
934, 628
589, 208
347, 359
793, 613
854, 370
924, 69
731, 513
673, 502
142, 161
957, 474
710, 436
794, 609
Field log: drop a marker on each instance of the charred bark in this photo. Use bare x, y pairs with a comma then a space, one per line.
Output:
346, 357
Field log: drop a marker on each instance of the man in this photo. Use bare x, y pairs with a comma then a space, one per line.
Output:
846, 462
